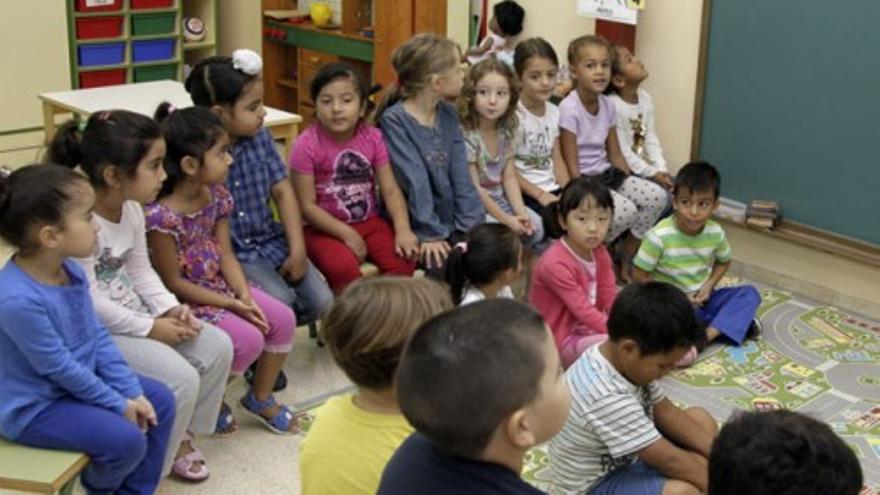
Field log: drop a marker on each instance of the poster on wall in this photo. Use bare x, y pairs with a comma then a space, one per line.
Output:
609, 10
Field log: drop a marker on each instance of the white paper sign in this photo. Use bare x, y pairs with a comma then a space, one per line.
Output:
609, 10
98, 3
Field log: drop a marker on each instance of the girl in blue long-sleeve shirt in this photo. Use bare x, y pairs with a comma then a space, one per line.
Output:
426, 147
63, 383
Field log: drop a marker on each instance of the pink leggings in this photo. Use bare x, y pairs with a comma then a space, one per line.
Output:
575, 344
248, 342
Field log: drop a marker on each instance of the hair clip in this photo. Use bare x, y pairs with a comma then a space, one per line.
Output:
247, 61
171, 109
462, 246
5, 172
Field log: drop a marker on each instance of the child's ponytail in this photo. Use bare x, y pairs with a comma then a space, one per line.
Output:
415, 61
117, 138
490, 249
66, 147
455, 271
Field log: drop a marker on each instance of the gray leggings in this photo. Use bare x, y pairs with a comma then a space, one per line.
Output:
638, 204
195, 371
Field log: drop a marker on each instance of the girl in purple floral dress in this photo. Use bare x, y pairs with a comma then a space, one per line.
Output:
188, 236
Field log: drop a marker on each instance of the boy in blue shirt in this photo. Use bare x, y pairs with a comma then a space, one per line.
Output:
481, 384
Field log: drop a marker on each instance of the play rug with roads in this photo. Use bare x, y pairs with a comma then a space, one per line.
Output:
811, 358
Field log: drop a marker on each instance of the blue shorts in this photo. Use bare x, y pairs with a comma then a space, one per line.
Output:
639, 478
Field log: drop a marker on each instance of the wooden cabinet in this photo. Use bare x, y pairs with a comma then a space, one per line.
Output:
293, 52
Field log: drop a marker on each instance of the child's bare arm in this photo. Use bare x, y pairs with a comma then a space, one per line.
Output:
530, 189
560, 167
296, 265
164, 256
568, 144
511, 188
491, 206
676, 463
229, 265
480, 49
640, 275
682, 429
612, 144
318, 218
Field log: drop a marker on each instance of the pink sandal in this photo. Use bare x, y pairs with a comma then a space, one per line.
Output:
182, 466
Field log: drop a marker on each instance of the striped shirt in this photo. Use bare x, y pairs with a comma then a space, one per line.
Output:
609, 422
685, 261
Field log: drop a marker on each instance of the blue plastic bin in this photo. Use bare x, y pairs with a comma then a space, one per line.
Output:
101, 54
148, 50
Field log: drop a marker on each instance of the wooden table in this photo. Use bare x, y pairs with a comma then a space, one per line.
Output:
143, 98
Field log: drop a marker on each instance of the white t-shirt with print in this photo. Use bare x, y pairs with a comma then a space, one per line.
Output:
534, 145
639, 118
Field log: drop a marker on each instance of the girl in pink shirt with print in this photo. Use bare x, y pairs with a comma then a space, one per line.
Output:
337, 163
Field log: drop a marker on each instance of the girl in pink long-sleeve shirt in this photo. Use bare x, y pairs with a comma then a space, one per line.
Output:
573, 284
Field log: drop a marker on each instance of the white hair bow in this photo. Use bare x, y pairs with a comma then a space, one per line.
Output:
247, 61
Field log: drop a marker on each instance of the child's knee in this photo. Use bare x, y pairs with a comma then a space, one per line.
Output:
247, 347
125, 450
678, 487
703, 418
752, 295
282, 323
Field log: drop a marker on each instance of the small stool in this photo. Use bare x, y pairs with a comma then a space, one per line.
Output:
33, 470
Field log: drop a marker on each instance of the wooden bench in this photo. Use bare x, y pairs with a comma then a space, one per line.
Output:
27, 469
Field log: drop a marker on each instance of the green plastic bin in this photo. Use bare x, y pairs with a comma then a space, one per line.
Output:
155, 23
155, 73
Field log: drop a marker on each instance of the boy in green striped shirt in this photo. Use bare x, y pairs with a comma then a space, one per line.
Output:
690, 251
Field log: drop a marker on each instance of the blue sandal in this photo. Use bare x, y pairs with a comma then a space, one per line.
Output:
226, 423
280, 423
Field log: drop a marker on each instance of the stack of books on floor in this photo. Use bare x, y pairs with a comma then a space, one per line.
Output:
763, 214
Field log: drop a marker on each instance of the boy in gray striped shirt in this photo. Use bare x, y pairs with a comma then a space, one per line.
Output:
622, 435
690, 251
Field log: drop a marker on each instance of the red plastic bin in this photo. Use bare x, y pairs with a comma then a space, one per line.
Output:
89, 28
98, 5
99, 78
151, 4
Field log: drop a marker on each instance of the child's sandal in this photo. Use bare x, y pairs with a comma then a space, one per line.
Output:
280, 423
226, 424
182, 467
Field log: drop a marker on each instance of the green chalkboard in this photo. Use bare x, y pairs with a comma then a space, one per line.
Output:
792, 108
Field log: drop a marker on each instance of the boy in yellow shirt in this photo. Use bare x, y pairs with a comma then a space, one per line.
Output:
354, 435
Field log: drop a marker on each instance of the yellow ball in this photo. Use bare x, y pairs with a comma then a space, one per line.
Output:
320, 14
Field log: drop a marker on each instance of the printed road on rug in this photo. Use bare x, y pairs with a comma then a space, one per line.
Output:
813, 359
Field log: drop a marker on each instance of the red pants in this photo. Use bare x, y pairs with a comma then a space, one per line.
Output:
339, 264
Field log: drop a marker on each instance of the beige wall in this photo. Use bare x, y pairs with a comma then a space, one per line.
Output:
668, 42
239, 25
34, 58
